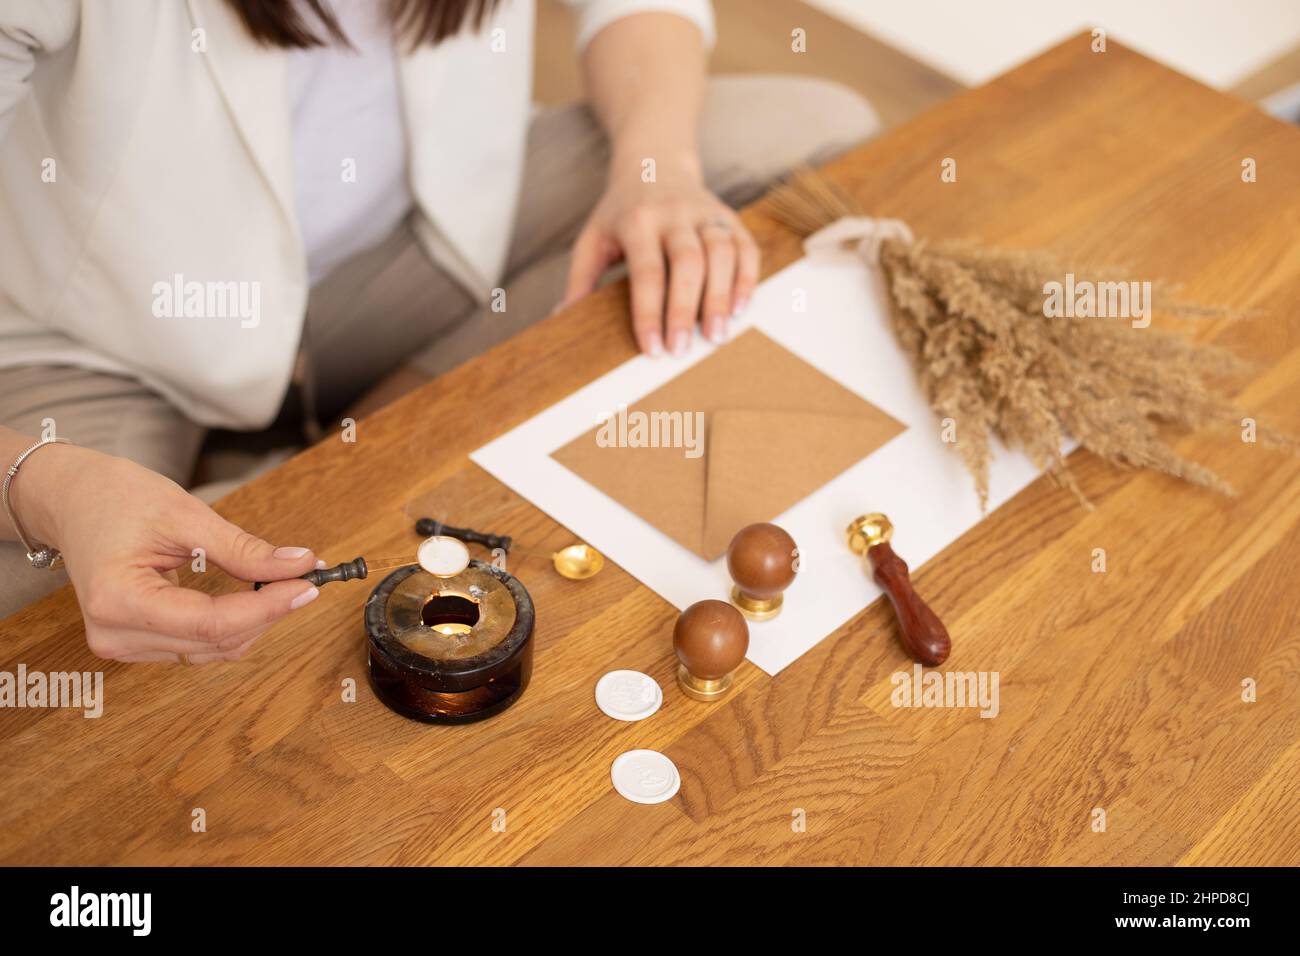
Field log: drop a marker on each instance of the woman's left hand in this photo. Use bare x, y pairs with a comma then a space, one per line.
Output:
688, 256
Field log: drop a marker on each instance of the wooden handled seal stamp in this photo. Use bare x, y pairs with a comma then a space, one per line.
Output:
924, 636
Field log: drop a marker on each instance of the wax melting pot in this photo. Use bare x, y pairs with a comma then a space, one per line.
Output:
450, 649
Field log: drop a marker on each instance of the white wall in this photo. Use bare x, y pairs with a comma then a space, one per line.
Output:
1218, 42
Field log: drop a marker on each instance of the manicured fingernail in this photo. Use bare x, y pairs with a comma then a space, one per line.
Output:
319, 564
740, 307
306, 597
679, 341
654, 346
290, 553
713, 329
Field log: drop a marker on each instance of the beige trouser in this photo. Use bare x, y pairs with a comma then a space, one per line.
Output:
391, 309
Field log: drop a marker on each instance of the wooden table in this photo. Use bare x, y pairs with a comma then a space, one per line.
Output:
1119, 690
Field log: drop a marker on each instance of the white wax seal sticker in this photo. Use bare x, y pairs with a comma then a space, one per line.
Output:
628, 695
645, 776
442, 556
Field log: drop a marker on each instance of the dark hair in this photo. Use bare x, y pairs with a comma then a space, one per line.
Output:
281, 22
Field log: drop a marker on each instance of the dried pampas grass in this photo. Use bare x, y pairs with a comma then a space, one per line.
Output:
989, 358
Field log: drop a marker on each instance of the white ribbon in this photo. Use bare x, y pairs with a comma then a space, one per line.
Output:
866, 235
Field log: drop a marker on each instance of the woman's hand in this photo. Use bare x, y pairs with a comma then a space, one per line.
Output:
124, 531
688, 256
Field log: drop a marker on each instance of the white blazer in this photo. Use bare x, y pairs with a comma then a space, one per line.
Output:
146, 140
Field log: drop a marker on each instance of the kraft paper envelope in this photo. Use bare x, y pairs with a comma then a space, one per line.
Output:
775, 430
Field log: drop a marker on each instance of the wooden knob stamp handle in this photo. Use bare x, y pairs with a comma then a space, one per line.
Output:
761, 559
710, 640
924, 637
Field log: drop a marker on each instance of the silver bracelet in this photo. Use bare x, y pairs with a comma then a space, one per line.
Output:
43, 556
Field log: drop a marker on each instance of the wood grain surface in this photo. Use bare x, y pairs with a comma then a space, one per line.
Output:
757, 38
1120, 691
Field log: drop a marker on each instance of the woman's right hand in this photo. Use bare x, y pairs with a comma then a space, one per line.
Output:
124, 531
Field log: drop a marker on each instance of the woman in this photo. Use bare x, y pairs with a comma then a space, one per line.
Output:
209, 207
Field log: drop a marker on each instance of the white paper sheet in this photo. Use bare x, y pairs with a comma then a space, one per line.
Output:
830, 311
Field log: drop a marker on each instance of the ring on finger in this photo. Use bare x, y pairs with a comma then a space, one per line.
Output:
717, 222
